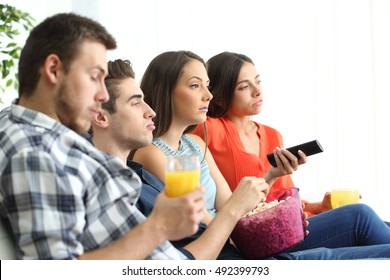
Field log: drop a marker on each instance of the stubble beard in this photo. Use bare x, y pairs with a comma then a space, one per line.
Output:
67, 111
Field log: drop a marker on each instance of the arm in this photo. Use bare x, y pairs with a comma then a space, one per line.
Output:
31, 190
171, 219
247, 195
153, 160
313, 208
231, 207
223, 190
52, 230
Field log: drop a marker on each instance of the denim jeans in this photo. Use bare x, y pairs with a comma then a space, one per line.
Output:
349, 232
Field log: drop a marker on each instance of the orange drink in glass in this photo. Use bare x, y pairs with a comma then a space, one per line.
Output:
343, 196
182, 174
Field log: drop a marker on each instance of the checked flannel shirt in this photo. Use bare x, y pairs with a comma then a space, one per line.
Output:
60, 195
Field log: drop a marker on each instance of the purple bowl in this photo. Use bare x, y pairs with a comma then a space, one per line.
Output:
274, 230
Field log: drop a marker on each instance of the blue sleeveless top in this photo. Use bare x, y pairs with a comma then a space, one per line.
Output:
190, 147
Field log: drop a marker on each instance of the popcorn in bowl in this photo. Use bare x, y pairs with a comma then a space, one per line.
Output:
272, 227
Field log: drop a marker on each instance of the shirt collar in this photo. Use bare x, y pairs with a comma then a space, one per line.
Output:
24, 115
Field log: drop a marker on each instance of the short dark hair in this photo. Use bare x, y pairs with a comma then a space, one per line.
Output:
61, 34
223, 70
118, 70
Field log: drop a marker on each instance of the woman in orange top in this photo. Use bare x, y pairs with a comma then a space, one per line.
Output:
238, 144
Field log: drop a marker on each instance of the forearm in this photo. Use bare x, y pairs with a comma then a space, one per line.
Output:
270, 178
315, 207
137, 244
209, 245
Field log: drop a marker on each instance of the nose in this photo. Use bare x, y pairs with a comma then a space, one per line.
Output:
149, 113
207, 95
102, 95
257, 90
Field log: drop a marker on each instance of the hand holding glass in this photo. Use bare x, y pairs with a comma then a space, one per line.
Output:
182, 174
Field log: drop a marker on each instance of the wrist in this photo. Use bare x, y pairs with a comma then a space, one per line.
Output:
231, 213
156, 229
269, 178
313, 207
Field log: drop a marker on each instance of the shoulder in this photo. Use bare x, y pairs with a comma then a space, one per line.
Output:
215, 122
198, 140
217, 128
152, 158
268, 130
146, 153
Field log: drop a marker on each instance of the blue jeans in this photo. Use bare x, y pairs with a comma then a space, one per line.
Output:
349, 232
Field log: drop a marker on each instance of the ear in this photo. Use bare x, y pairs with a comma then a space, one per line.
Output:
51, 67
101, 120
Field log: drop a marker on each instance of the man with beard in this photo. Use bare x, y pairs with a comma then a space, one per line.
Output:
61, 197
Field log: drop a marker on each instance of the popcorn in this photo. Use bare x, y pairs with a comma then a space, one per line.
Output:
262, 206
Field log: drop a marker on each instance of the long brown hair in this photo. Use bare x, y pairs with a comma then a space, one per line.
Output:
223, 70
158, 83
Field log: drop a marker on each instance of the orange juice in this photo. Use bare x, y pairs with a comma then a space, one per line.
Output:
340, 197
181, 182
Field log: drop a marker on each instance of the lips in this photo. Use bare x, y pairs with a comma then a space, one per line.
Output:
204, 109
151, 126
258, 103
94, 112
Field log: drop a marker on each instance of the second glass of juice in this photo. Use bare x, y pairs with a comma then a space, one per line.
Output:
182, 174
343, 196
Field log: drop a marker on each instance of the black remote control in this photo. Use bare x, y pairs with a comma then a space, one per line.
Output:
309, 148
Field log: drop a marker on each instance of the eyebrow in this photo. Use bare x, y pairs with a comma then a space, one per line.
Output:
245, 81
135, 96
101, 69
198, 78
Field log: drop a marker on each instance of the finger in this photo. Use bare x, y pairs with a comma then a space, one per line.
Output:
289, 161
302, 157
196, 194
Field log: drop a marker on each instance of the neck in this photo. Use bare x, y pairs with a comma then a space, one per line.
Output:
108, 146
241, 122
40, 102
172, 136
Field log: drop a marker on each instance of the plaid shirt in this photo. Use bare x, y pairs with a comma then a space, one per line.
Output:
61, 196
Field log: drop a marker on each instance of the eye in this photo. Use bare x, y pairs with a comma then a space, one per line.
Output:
194, 86
258, 82
244, 87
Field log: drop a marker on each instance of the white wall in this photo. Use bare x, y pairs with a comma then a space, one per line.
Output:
324, 64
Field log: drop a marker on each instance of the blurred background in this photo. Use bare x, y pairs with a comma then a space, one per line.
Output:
324, 66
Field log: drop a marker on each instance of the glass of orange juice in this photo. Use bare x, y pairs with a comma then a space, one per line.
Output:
343, 196
182, 174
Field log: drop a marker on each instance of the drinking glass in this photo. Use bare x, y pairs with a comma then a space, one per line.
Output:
182, 174
343, 196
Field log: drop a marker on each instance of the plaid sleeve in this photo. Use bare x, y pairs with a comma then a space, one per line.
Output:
44, 211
